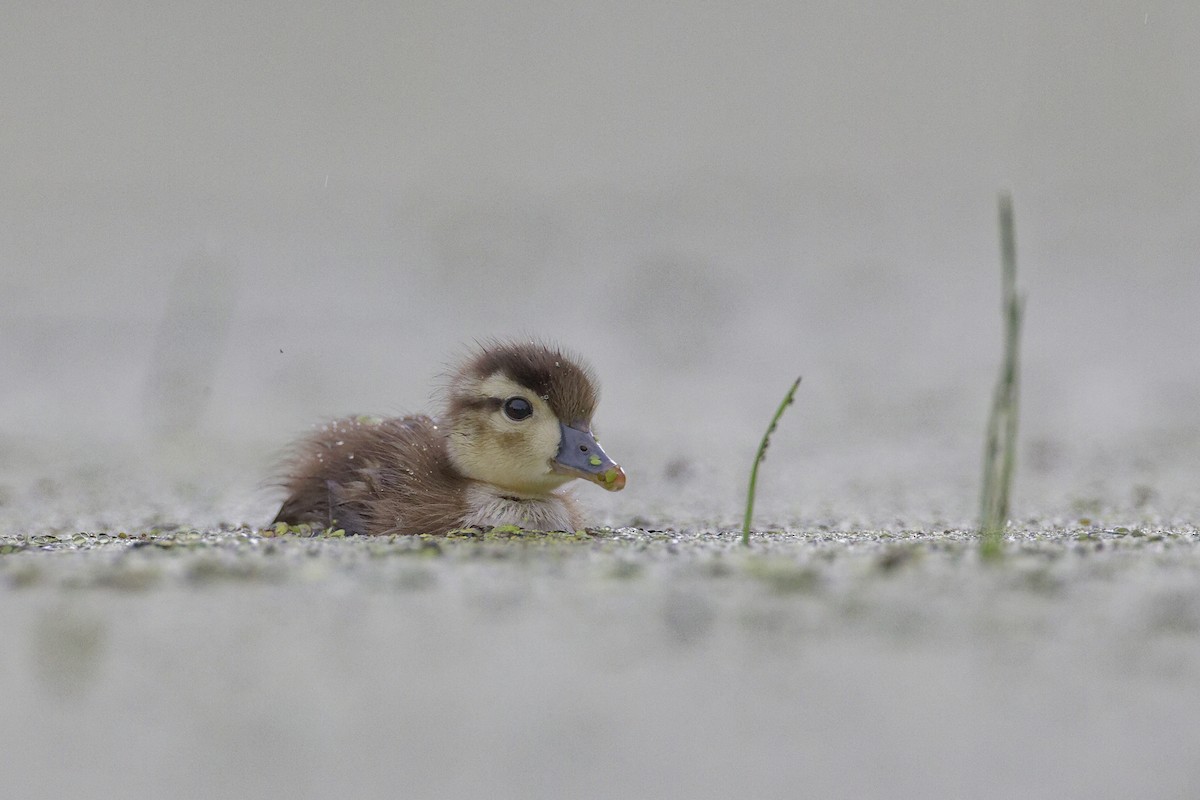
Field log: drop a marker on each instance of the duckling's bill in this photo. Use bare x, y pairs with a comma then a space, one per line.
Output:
580, 455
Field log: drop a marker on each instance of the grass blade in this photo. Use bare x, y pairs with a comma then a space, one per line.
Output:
788, 399
999, 459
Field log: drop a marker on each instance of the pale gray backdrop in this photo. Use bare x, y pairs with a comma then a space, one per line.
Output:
226, 221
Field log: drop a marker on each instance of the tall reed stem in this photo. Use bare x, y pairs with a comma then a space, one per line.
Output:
999, 459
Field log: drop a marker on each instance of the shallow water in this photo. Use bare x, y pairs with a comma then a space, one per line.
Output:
622, 664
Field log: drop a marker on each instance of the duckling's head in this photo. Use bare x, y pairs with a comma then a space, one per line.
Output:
520, 418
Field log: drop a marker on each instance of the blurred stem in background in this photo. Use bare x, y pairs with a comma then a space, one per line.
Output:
1000, 449
188, 344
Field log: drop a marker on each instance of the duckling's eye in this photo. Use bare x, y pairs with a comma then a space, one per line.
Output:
517, 408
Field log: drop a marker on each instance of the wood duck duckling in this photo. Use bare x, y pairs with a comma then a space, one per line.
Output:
517, 426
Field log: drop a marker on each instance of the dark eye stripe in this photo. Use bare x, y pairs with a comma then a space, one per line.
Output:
475, 403
517, 408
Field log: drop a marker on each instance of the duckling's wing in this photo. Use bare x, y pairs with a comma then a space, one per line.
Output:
414, 486
370, 476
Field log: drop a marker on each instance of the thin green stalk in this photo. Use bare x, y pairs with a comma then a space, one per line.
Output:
788, 399
999, 460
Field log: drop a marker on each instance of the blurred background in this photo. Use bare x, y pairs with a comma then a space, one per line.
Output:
221, 223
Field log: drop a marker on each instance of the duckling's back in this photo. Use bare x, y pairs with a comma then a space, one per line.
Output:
367, 475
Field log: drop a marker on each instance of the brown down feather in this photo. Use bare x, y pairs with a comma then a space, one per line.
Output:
557, 377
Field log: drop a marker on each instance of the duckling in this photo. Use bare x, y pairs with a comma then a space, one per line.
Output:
517, 426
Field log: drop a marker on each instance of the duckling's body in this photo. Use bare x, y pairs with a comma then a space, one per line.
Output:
516, 428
